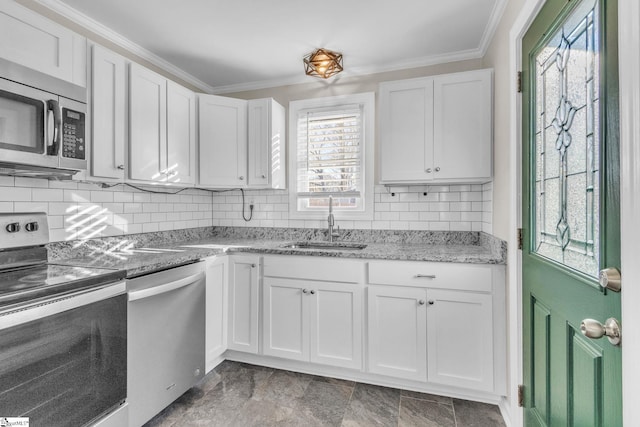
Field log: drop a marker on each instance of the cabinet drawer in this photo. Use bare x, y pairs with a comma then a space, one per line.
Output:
315, 268
431, 275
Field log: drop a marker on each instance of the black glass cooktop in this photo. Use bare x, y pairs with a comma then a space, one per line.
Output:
34, 284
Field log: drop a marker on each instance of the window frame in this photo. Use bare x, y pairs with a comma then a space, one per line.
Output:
367, 101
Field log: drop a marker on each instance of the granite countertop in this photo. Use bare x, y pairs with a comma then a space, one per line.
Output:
141, 255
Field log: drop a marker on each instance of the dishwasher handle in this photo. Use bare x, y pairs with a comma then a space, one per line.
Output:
168, 287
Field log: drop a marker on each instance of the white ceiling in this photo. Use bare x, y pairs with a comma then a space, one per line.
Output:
229, 45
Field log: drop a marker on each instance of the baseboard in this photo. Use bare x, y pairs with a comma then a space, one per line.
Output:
505, 410
363, 377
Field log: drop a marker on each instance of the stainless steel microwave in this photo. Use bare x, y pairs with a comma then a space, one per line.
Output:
42, 124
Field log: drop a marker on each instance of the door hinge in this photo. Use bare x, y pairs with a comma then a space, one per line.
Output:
520, 239
519, 82
521, 396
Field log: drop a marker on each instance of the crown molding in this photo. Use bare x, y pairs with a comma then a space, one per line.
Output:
354, 72
490, 30
101, 30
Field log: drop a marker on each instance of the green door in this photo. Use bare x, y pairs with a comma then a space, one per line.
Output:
570, 211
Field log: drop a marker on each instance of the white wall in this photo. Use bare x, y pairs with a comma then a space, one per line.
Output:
84, 210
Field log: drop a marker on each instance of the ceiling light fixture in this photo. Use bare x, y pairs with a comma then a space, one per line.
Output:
323, 63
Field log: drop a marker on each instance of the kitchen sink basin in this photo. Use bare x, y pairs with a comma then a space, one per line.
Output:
336, 246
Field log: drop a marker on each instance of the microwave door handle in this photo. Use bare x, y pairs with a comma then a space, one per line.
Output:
53, 109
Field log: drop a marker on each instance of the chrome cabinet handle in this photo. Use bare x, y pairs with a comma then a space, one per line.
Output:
304, 291
425, 276
120, 167
241, 178
253, 266
431, 302
593, 329
428, 170
438, 169
611, 279
312, 292
421, 302
264, 176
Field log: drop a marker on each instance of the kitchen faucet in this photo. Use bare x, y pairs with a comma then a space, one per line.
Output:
331, 222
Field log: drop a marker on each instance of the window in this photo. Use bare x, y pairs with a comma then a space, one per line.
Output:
331, 154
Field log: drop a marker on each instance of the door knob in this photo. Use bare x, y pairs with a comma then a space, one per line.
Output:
610, 278
593, 329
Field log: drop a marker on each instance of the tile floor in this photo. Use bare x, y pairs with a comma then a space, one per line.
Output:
238, 394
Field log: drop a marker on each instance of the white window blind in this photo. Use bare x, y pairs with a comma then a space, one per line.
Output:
330, 155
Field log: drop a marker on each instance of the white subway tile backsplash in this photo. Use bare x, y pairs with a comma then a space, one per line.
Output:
81, 209
450, 197
15, 194
124, 197
85, 210
101, 196
46, 195
31, 182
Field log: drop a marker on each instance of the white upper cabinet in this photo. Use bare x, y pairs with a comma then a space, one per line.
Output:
181, 134
147, 124
406, 114
108, 114
223, 141
267, 147
162, 139
31, 40
462, 126
437, 129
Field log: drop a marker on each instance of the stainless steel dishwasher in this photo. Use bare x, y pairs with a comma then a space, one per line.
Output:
166, 335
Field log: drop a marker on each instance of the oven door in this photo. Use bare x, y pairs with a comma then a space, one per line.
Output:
64, 363
29, 125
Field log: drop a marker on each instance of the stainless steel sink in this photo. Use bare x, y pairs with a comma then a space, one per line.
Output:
336, 246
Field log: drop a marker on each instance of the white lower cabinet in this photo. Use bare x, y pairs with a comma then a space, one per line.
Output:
460, 339
442, 323
397, 330
244, 288
311, 321
216, 318
432, 325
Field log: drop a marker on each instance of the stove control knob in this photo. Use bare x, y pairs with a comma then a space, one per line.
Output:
13, 227
31, 226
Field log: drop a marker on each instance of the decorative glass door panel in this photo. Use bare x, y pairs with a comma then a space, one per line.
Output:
565, 117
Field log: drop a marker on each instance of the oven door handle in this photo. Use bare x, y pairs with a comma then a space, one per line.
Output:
167, 287
58, 305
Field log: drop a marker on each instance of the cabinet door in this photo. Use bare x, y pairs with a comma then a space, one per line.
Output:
223, 141
462, 126
460, 339
285, 327
108, 114
259, 148
397, 332
243, 303
335, 322
181, 134
266, 148
147, 124
406, 123
216, 311
36, 42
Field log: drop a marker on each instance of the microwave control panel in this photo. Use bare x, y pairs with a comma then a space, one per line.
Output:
73, 138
